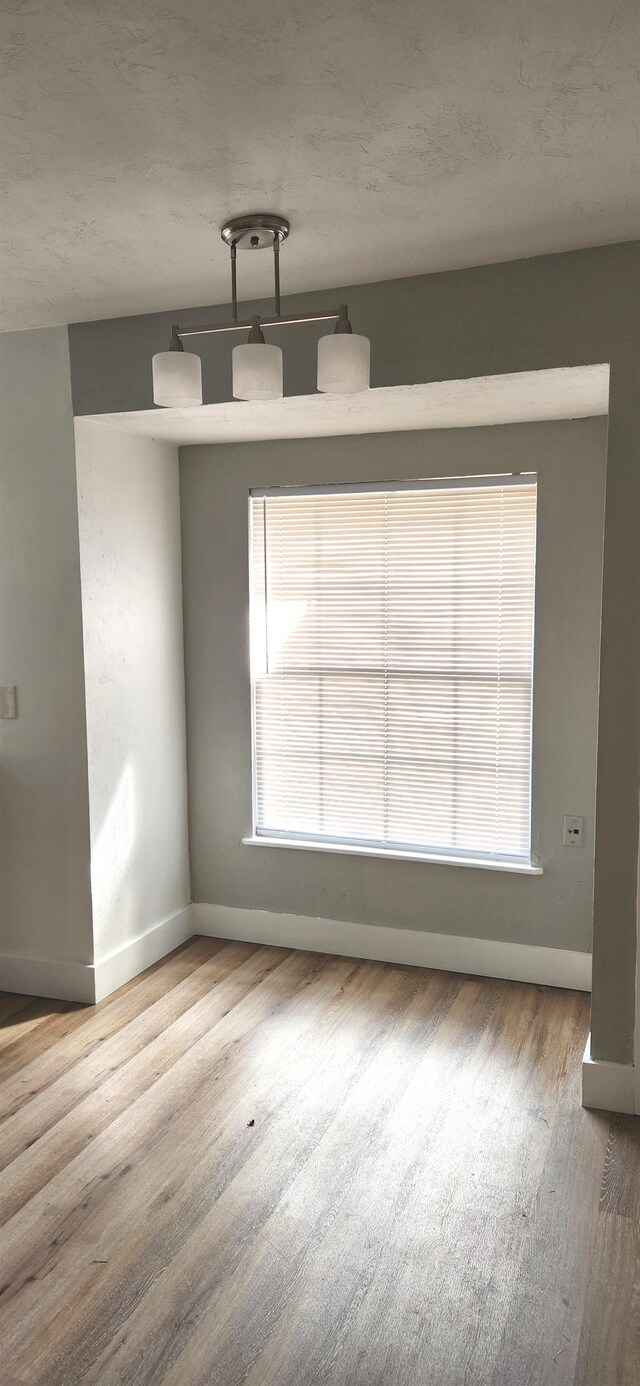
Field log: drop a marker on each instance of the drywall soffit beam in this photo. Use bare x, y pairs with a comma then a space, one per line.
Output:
526, 397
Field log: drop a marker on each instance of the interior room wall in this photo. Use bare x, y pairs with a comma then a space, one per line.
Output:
553, 910
128, 504
45, 898
559, 310
575, 309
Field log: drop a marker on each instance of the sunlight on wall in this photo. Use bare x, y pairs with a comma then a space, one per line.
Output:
112, 849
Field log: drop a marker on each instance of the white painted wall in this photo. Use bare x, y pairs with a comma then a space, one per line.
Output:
45, 900
128, 504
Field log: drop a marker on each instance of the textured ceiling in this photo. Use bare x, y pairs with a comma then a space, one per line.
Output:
399, 136
568, 393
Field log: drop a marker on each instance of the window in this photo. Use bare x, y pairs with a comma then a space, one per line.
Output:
391, 665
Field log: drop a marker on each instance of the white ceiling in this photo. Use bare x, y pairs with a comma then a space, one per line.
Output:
399, 136
524, 397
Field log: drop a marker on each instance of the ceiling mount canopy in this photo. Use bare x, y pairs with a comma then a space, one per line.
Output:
255, 231
343, 356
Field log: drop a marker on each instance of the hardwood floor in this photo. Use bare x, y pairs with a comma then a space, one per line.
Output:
277, 1168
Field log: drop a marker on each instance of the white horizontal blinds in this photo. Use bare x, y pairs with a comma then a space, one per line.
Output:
392, 638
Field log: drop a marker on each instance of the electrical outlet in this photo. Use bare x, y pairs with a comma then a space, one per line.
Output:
8, 706
573, 831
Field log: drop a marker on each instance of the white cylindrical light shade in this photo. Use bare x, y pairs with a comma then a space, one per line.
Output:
257, 371
343, 363
177, 379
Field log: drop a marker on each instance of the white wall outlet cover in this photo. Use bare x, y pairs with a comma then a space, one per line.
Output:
8, 703
573, 830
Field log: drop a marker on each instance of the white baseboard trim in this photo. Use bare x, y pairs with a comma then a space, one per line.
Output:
64, 981
133, 957
606, 1085
91, 982
86, 982
518, 962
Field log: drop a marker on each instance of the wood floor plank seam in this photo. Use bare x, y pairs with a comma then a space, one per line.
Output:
259, 1374
485, 1009
107, 1016
110, 1135
359, 1175
94, 1107
87, 1071
145, 1357
164, 1129
349, 966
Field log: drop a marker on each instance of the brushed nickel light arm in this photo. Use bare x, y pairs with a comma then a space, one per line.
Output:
243, 324
276, 274
234, 288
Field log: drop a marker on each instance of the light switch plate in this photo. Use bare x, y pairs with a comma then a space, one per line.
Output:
8, 703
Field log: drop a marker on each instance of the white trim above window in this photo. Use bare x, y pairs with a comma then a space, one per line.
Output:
391, 668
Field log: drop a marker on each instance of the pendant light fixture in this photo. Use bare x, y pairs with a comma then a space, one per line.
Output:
257, 367
343, 359
177, 376
343, 356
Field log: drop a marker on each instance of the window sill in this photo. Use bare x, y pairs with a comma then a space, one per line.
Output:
521, 868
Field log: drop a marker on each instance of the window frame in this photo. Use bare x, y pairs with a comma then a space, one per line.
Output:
283, 838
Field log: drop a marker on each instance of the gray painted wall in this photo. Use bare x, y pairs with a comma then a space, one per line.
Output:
132, 617
45, 899
559, 310
555, 310
554, 910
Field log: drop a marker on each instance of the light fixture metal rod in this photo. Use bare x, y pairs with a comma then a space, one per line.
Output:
234, 287
247, 323
276, 273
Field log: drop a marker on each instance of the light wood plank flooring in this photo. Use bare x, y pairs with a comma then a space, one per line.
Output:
279, 1168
